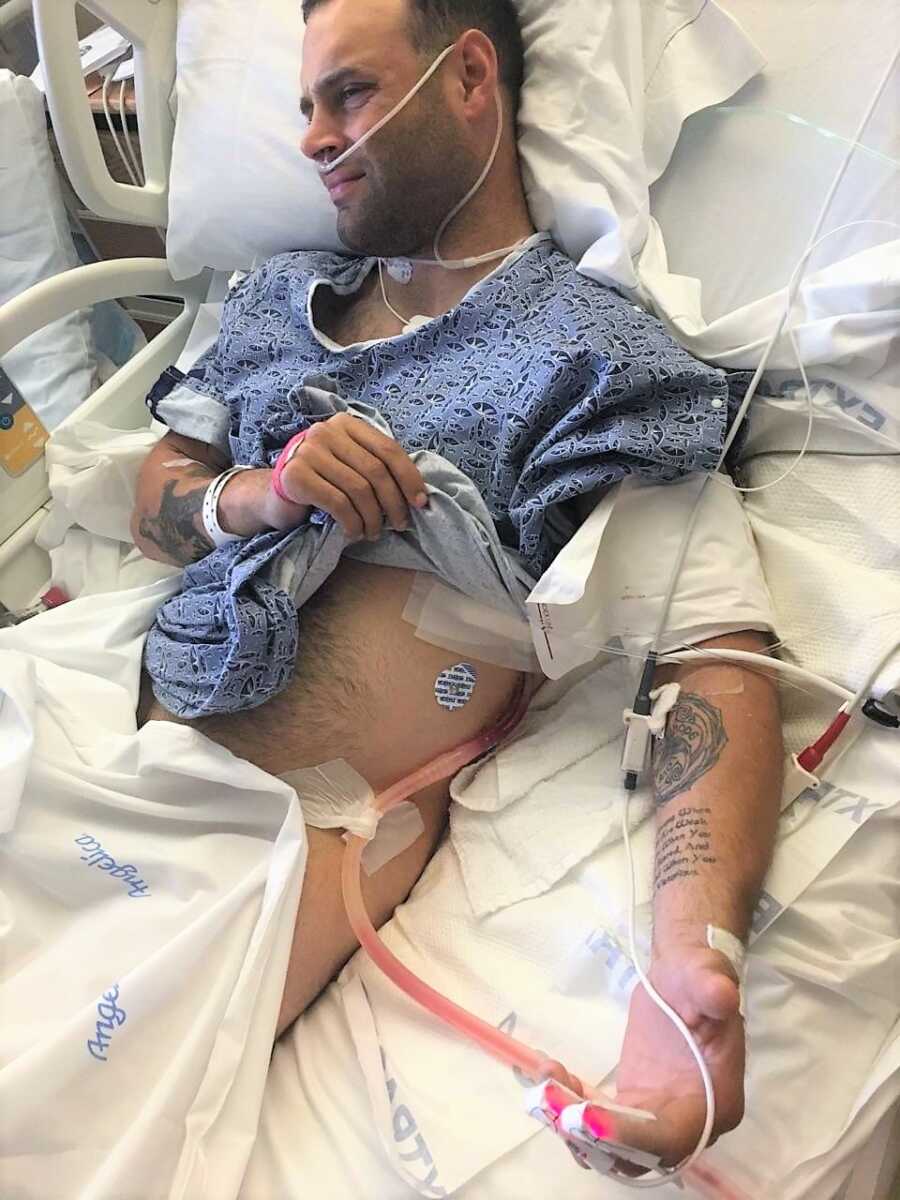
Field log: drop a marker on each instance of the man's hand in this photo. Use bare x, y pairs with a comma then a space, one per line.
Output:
354, 472
657, 1071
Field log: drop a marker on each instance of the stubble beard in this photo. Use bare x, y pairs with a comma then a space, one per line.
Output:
410, 195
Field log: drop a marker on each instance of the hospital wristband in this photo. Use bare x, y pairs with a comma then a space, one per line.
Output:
210, 514
284, 458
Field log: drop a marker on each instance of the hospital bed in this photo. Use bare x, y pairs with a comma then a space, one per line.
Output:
346, 1110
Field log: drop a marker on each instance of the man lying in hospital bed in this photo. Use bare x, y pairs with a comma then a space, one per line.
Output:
501, 369
369, 1098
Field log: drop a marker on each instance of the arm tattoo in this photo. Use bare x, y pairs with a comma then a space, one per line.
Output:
682, 847
175, 529
694, 742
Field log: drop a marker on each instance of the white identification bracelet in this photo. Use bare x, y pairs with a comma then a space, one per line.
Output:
210, 515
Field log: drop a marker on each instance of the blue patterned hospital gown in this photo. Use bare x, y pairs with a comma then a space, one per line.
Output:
541, 385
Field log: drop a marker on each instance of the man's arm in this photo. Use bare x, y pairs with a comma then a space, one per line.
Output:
345, 467
167, 524
718, 781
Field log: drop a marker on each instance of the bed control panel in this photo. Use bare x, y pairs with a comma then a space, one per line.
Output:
22, 436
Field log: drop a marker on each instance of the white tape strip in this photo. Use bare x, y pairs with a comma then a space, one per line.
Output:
733, 949
335, 796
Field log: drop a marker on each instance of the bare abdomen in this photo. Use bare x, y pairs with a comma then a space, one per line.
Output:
364, 688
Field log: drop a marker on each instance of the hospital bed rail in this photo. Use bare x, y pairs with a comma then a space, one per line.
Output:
150, 26
118, 403
13, 11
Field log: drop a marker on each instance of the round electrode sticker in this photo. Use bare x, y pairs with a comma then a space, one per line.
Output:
454, 688
400, 269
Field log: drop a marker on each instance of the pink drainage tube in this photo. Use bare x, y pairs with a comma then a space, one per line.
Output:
533, 1064
500, 1045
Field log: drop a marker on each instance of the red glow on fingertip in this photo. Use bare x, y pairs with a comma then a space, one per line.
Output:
599, 1126
556, 1100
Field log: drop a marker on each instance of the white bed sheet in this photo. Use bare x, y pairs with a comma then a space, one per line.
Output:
822, 974
745, 158
742, 196
148, 881
390, 1106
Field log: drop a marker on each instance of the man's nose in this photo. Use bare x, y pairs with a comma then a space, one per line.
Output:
322, 141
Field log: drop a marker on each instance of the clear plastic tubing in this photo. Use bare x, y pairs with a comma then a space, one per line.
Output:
533, 1064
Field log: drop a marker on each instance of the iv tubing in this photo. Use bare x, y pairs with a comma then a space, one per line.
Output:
796, 279
507, 1049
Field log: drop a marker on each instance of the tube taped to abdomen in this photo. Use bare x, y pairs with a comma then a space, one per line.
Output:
334, 796
446, 618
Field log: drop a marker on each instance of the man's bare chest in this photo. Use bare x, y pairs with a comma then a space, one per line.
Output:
349, 320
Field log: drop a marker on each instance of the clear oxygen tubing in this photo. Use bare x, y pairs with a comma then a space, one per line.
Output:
666, 1176
509, 1050
515, 1054
329, 167
458, 264
796, 279
830, 135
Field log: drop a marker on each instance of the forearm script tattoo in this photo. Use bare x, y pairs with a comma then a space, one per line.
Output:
683, 847
174, 529
693, 744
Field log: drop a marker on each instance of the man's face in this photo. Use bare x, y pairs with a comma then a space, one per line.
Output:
393, 193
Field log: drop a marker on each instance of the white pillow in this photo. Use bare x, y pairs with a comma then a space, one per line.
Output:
745, 187
609, 83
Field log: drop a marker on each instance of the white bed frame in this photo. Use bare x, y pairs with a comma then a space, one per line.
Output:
150, 25
119, 403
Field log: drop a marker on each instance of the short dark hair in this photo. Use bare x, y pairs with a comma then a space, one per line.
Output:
437, 23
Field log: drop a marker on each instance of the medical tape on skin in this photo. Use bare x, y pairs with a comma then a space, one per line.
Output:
664, 699
397, 830
729, 679
334, 796
734, 950
444, 617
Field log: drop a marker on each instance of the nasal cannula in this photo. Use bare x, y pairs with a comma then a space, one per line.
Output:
580, 1120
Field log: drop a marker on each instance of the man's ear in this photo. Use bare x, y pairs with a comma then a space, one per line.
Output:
479, 70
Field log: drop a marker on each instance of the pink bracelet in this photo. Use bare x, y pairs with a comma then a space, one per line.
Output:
284, 458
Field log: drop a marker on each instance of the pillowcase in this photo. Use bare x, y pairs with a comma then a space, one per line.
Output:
609, 84
746, 185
